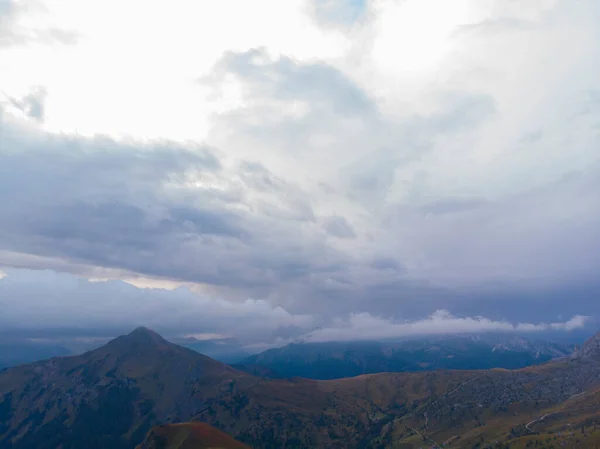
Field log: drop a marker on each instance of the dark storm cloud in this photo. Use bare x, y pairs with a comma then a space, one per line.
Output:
152, 209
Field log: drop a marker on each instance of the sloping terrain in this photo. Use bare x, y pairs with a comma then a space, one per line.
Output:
108, 397
112, 396
338, 360
189, 436
494, 407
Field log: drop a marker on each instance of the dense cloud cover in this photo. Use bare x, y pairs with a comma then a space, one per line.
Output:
44, 303
331, 174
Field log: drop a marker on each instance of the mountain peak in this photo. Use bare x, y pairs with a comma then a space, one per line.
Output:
143, 335
140, 338
143, 332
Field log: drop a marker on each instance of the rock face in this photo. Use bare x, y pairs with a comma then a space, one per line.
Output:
189, 436
590, 349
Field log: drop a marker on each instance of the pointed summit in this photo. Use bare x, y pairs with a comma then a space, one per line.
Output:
144, 334
139, 339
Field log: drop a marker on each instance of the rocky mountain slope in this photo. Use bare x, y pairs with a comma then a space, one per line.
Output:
339, 360
590, 349
112, 396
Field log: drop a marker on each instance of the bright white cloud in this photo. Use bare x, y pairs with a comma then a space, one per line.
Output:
132, 80
577, 322
364, 326
413, 36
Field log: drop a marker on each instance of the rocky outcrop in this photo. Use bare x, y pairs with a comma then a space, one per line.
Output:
590, 349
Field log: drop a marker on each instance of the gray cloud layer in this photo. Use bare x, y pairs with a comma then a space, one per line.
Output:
44, 303
159, 209
62, 304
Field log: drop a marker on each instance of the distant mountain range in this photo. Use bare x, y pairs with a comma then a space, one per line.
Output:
329, 360
338, 360
113, 396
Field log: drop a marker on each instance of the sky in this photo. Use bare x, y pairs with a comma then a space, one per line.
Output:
314, 169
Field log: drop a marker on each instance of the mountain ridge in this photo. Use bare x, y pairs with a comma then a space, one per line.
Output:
346, 359
112, 396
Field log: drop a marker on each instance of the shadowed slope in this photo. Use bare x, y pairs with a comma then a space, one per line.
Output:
109, 397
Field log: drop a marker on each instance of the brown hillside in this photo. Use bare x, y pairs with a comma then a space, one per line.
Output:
194, 435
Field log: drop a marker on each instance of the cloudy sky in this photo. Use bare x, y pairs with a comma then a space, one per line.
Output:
324, 169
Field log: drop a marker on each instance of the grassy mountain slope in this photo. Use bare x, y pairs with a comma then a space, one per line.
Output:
472, 410
494, 407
